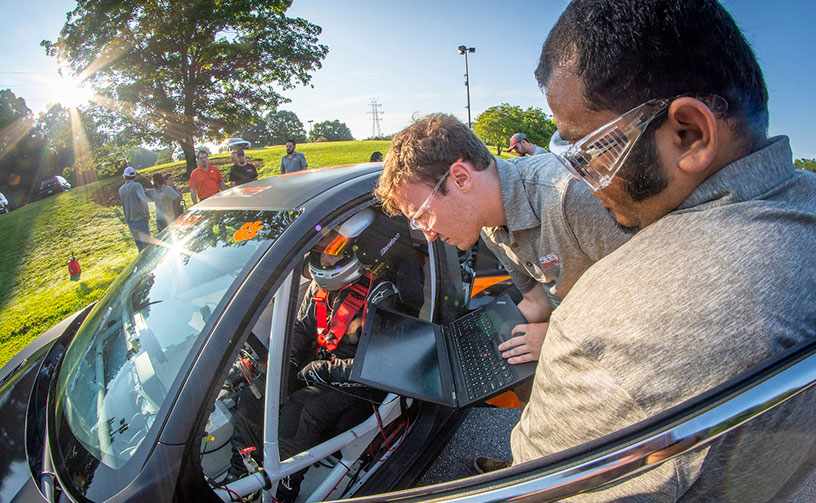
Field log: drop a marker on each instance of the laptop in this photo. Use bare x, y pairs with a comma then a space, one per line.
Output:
457, 364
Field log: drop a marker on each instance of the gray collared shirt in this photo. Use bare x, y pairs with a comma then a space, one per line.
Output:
719, 285
538, 150
134, 201
555, 228
295, 163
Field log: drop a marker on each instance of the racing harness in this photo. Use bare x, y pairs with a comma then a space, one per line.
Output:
329, 334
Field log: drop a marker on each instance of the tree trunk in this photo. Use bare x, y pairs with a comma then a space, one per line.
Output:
189, 154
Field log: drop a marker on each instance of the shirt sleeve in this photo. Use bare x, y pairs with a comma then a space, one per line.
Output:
193, 180
594, 228
523, 281
303, 163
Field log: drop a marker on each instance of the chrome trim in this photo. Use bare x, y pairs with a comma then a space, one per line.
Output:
696, 430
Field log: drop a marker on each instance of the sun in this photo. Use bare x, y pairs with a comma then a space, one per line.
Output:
68, 91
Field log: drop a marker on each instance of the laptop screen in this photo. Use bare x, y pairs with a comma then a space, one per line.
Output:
400, 355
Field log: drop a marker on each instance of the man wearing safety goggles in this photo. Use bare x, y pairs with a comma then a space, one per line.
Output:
666, 109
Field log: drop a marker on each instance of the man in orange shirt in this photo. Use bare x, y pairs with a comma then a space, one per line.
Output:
205, 180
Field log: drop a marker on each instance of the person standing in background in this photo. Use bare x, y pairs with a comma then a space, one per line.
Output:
164, 197
205, 180
134, 205
292, 161
241, 171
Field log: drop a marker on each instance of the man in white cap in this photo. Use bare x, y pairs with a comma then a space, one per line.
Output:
522, 146
134, 204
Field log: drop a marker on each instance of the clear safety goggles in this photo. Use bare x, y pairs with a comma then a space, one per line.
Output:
596, 158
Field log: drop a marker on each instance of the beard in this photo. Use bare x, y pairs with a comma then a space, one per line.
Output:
642, 174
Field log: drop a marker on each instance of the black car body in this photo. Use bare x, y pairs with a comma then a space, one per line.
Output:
53, 185
129, 400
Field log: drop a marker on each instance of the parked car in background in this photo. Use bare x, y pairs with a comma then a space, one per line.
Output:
231, 144
53, 185
177, 155
4, 205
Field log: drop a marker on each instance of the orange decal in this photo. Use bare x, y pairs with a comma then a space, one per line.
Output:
188, 219
247, 231
318, 170
480, 284
507, 400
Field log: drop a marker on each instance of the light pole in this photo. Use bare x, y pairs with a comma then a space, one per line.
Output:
465, 50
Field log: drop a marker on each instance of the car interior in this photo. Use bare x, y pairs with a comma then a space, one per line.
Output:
233, 460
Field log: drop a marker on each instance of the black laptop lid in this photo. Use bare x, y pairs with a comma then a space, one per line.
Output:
405, 355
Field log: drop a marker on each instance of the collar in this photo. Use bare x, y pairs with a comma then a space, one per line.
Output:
746, 178
518, 213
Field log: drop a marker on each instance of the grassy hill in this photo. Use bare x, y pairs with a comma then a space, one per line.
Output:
35, 289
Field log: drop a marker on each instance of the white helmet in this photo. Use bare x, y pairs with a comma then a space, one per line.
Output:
335, 260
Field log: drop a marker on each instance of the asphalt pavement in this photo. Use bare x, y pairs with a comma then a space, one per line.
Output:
484, 432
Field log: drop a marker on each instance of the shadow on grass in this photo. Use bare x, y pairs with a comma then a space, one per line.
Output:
16, 234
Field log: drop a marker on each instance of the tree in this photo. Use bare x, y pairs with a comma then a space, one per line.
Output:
195, 68
19, 148
284, 125
331, 131
808, 164
497, 124
274, 129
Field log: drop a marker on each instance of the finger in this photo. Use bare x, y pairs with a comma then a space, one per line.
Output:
511, 343
517, 351
527, 357
520, 328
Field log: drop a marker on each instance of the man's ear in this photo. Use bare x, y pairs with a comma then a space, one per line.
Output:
694, 134
461, 176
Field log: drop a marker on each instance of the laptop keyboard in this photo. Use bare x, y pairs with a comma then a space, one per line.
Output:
484, 369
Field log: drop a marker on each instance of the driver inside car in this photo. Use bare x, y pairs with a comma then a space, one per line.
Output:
351, 266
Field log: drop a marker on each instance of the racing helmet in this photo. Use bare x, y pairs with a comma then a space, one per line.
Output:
335, 260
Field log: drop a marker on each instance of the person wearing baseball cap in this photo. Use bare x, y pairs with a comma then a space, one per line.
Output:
241, 171
522, 146
134, 205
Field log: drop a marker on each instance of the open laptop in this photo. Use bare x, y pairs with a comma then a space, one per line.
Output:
456, 365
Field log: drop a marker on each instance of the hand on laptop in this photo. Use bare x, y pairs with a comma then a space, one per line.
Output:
525, 345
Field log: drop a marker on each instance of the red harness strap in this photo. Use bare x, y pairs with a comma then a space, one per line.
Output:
330, 337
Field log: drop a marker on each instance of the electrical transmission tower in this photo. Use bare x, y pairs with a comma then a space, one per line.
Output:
376, 115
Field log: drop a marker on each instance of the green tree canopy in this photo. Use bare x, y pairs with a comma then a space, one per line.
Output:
331, 131
190, 69
274, 129
498, 123
808, 164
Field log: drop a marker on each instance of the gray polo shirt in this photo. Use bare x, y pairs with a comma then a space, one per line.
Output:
134, 201
721, 284
295, 163
555, 228
538, 150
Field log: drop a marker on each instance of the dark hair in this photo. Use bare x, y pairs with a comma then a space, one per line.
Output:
202, 151
626, 53
158, 180
423, 152
291, 141
376, 156
167, 176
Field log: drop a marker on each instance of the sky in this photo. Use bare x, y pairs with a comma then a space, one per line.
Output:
404, 55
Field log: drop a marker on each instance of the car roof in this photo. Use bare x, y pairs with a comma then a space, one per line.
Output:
292, 190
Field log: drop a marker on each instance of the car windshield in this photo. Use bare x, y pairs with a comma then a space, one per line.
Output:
125, 357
